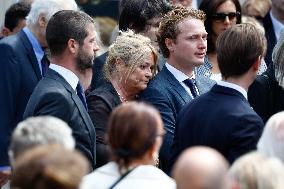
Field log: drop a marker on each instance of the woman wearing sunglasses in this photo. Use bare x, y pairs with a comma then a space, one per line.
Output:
220, 15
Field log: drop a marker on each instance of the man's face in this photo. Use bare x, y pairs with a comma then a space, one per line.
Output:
86, 52
189, 48
152, 27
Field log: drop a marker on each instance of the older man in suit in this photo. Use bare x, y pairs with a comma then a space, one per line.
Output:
22, 65
222, 118
182, 40
71, 38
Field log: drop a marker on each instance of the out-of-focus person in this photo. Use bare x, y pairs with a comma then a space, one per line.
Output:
131, 63
37, 131
271, 142
15, 18
201, 168
135, 134
49, 167
257, 171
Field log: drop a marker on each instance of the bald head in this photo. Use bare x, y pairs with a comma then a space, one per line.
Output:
201, 168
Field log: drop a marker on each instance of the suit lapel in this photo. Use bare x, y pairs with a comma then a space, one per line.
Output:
30, 53
83, 112
175, 85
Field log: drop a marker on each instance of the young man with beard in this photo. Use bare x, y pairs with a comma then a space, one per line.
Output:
71, 38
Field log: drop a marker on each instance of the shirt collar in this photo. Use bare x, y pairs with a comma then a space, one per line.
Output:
180, 76
35, 44
278, 26
68, 75
233, 86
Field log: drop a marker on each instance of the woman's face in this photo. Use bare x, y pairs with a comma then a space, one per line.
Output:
140, 77
224, 18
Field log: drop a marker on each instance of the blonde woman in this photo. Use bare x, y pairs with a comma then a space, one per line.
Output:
130, 65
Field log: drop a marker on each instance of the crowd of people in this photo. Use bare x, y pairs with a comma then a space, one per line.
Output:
185, 94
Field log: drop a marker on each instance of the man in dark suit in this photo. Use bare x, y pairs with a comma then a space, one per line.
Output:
22, 66
222, 118
71, 38
176, 85
273, 23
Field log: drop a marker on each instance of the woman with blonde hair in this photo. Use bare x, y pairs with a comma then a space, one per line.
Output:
130, 65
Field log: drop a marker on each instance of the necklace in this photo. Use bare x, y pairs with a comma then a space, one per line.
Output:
122, 98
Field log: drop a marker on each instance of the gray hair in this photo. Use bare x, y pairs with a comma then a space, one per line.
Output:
256, 171
271, 143
48, 8
278, 60
40, 130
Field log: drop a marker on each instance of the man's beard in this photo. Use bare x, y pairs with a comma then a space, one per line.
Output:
84, 61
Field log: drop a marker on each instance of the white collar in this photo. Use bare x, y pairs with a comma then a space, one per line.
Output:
180, 76
278, 26
233, 86
68, 75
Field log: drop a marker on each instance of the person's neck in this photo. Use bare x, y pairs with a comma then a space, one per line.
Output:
238, 81
186, 69
121, 91
277, 14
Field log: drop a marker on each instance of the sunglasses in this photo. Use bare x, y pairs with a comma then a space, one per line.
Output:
221, 17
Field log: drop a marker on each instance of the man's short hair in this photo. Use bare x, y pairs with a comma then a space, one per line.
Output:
135, 14
238, 48
40, 130
15, 14
169, 25
65, 25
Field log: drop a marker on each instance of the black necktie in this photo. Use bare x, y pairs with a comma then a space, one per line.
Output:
191, 85
81, 94
44, 64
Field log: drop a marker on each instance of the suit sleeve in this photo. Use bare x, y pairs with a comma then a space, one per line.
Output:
10, 82
163, 103
54, 104
245, 136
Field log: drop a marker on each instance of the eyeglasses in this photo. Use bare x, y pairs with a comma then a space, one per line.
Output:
221, 17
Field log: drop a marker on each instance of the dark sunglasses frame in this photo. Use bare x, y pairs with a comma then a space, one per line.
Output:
222, 16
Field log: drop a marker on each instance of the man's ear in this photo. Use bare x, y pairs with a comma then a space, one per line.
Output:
72, 46
257, 63
169, 43
6, 31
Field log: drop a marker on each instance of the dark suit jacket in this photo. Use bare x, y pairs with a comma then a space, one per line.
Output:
221, 119
101, 102
55, 97
265, 95
168, 96
270, 36
19, 74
